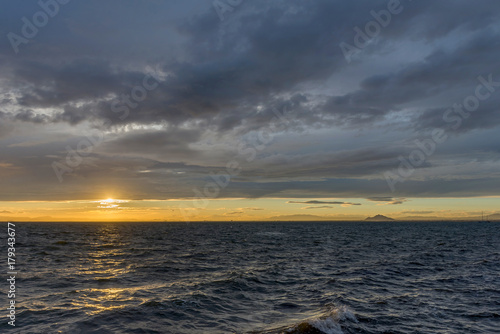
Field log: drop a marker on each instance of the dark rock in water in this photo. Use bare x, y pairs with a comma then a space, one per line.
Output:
379, 218
304, 328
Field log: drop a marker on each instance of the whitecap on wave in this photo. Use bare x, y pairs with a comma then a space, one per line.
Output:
329, 323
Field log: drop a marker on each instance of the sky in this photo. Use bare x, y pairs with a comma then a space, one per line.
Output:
249, 110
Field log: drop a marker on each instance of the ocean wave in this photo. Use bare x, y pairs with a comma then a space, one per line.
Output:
271, 234
274, 284
331, 322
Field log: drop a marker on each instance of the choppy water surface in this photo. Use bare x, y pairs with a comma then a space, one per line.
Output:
257, 278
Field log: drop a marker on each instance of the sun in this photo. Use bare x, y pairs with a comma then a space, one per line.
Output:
111, 203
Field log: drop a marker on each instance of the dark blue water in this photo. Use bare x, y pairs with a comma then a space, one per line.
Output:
257, 278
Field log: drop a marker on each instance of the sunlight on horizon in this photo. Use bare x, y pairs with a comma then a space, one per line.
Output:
110, 203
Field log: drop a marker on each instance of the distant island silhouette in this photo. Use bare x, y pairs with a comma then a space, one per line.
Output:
379, 218
495, 216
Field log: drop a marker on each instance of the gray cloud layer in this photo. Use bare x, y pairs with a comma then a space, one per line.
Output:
220, 82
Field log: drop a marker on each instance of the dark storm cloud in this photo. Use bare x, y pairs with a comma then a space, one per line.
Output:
486, 116
351, 188
440, 72
29, 175
367, 161
53, 86
30, 116
265, 50
170, 141
226, 80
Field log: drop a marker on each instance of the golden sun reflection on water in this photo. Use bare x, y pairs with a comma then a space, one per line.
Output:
106, 263
95, 301
110, 276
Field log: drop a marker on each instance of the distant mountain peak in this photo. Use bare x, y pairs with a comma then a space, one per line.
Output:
379, 218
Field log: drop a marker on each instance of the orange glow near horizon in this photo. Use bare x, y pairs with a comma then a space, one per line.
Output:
112, 209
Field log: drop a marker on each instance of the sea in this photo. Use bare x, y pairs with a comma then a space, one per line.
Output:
254, 277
